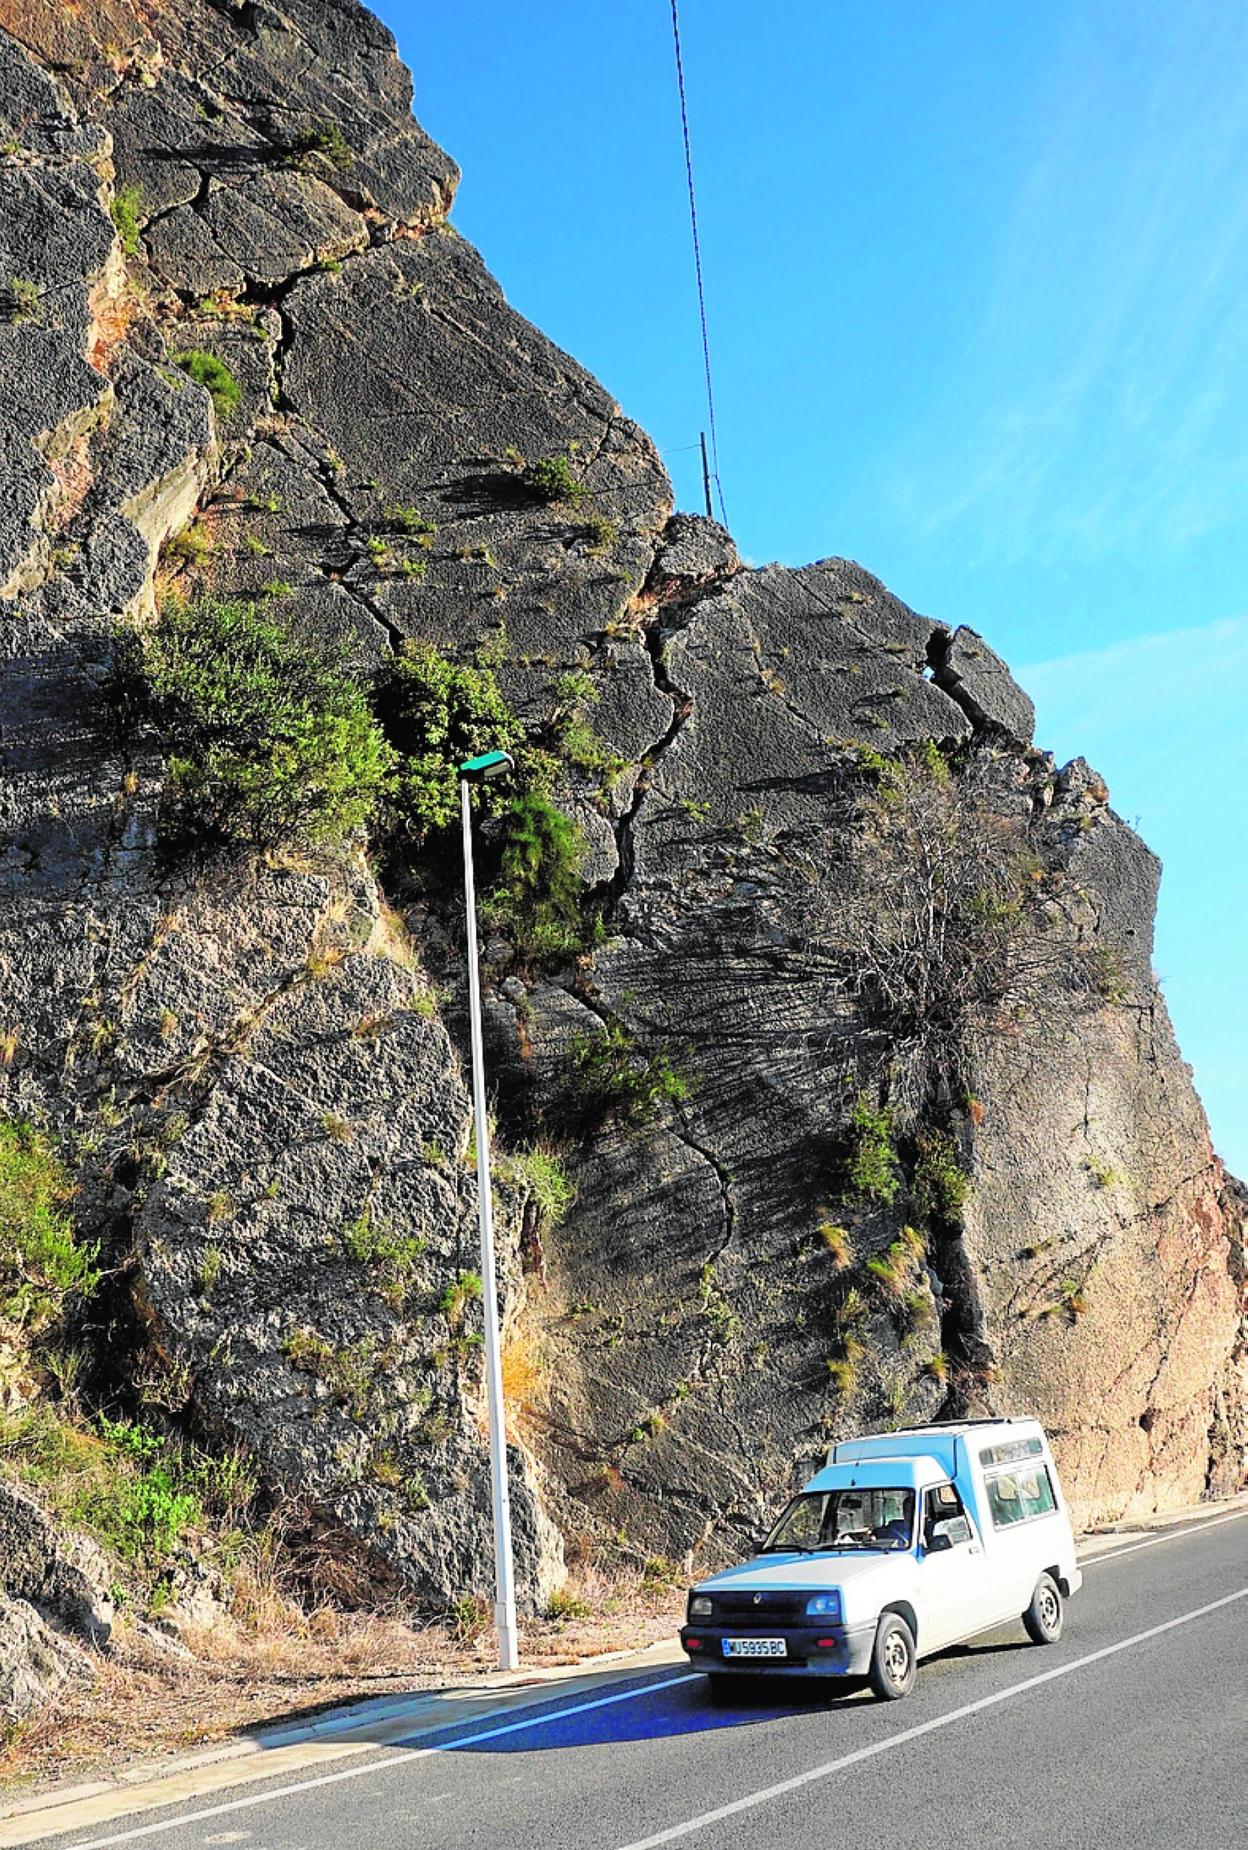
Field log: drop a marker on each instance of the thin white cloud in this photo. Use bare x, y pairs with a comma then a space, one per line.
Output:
1103, 388
1164, 684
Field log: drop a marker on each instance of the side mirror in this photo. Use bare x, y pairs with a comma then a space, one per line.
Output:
949, 1533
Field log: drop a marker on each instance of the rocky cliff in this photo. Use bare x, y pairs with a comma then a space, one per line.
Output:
861, 1079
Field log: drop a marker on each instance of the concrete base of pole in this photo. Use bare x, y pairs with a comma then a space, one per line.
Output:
508, 1640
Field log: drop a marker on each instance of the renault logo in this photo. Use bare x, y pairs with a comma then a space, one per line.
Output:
758, 1599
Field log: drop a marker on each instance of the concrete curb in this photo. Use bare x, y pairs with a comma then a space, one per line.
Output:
360, 1727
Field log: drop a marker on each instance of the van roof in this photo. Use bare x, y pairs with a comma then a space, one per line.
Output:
909, 1472
936, 1441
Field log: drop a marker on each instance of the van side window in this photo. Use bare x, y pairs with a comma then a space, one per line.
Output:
939, 1504
1019, 1495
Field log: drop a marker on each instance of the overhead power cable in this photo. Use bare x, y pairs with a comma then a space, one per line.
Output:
697, 264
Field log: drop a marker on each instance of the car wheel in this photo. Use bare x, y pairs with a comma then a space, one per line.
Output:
1045, 1615
720, 1690
893, 1660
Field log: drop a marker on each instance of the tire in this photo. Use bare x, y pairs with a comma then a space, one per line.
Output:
1046, 1614
894, 1661
721, 1692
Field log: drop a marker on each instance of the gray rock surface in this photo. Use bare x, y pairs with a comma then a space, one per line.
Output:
256, 1069
35, 1662
65, 1577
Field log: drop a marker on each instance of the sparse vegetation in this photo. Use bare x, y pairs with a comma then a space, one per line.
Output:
1071, 1302
941, 1185
871, 1162
935, 929
893, 1268
462, 1291
602, 535
215, 377
348, 1370
41, 1261
393, 1260
613, 1076
836, 1241
26, 301
325, 139
541, 1173
551, 479
409, 521
1104, 1174
192, 545
127, 210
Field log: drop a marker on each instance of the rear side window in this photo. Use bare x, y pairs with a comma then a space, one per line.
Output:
1019, 1495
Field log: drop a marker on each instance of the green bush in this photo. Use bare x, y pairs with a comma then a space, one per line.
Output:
40, 1261
941, 1185
140, 1513
612, 1076
436, 713
323, 138
551, 479
871, 1163
542, 1175
538, 896
269, 742
126, 208
215, 377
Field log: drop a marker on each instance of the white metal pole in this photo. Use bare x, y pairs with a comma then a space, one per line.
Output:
504, 1579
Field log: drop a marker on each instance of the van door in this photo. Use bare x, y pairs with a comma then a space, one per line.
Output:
1027, 1531
951, 1580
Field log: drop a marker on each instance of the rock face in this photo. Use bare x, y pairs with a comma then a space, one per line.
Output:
65, 1577
251, 1064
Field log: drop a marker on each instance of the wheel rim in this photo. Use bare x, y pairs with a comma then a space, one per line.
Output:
1050, 1611
896, 1659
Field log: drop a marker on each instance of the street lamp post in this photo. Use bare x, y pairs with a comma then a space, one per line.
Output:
475, 771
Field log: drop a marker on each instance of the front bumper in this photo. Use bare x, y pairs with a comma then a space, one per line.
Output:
810, 1650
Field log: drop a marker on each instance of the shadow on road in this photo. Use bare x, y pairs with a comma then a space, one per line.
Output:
651, 1714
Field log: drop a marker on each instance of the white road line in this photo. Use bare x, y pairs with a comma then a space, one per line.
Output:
1172, 1535
379, 1766
829, 1767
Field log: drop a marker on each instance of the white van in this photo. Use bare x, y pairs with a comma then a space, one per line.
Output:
906, 1542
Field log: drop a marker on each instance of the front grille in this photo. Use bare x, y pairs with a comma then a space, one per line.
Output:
761, 1609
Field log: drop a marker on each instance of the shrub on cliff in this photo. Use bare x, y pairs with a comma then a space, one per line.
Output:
436, 713
939, 929
269, 742
41, 1262
215, 377
538, 896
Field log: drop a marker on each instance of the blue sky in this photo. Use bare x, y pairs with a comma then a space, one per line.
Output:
976, 280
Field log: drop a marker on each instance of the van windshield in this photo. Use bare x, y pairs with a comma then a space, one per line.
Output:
826, 1521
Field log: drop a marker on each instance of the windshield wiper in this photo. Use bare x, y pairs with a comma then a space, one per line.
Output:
845, 1546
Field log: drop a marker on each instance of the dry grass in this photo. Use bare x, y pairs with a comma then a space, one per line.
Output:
147, 1704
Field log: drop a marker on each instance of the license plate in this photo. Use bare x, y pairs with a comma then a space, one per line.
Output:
755, 1647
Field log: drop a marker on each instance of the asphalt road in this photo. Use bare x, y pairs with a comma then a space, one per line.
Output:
1131, 1734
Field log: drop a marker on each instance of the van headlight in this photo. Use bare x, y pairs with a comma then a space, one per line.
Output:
701, 1606
825, 1606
